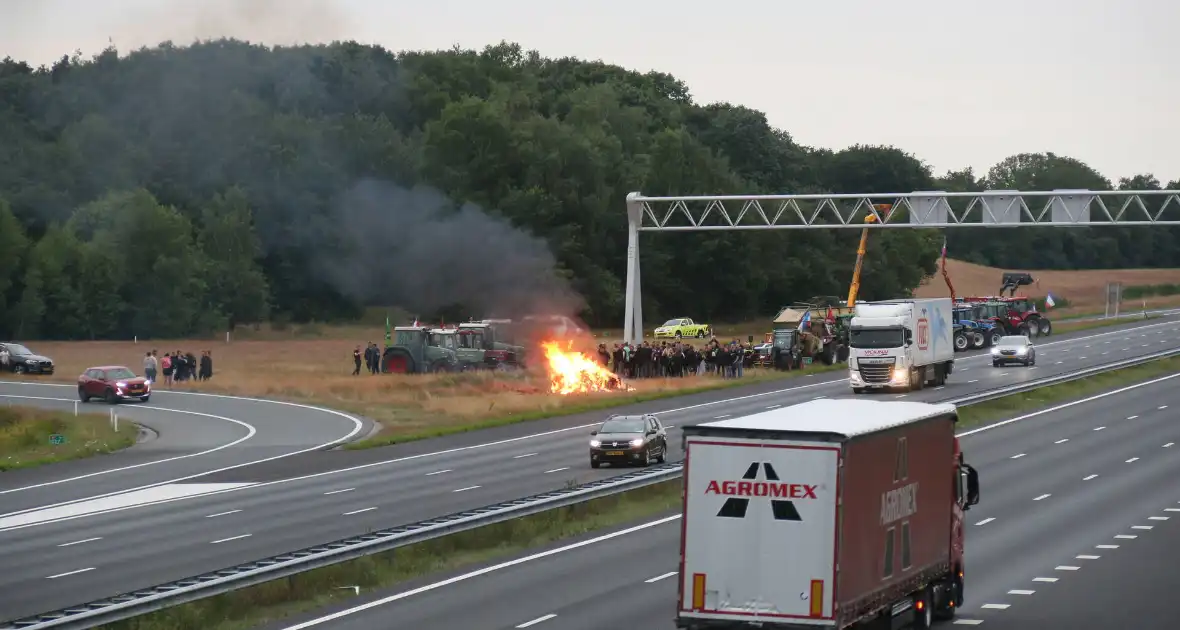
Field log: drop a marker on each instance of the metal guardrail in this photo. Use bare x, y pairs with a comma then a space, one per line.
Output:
155, 598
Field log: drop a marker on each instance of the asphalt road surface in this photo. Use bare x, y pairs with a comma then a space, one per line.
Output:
1077, 528
101, 548
192, 434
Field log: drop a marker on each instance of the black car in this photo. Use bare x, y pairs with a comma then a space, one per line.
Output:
21, 360
629, 440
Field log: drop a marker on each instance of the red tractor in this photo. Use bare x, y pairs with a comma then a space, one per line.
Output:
1017, 315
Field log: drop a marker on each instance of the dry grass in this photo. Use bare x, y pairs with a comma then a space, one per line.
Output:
1085, 290
408, 407
25, 436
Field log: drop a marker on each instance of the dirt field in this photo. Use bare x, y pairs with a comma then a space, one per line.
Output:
1085, 290
320, 372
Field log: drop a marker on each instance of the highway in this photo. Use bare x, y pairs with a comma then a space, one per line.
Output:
192, 434
1077, 527
100, 548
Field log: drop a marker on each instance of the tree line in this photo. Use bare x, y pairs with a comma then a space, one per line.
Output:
185, 190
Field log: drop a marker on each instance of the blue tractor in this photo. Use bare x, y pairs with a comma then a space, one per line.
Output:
978, 330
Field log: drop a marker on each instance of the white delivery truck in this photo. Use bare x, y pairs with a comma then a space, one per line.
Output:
900, 344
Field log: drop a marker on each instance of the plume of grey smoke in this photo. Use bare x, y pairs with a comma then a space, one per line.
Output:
415, 249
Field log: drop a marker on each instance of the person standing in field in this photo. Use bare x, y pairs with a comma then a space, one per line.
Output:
166, 365
206, 372
356, 359
149, 367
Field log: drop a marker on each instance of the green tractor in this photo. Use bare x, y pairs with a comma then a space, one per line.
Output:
465, 344
494, 337
411, 352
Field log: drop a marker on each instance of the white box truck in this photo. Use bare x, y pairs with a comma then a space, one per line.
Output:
900, 344
816, 516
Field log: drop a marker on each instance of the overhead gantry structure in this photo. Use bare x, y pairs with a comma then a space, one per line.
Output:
921, 209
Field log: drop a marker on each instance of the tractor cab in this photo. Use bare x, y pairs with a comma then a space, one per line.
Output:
411, 351
494, 338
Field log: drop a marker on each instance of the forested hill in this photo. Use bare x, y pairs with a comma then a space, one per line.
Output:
176, 191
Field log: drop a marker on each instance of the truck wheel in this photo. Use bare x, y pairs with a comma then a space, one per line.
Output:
952, 599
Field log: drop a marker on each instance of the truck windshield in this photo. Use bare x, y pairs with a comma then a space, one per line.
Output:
876, 338
784, 338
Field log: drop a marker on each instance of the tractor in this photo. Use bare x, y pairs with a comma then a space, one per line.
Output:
979, 326
493, 338
970, 334
819, 339
1015, 315
411, 352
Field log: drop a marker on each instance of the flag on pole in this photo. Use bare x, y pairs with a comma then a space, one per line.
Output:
388, 330
831, 317
944, 249
1049, 300
805, 320
415, 322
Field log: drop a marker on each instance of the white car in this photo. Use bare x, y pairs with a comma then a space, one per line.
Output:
1014, 349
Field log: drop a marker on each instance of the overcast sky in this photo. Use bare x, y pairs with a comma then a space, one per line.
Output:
956, 83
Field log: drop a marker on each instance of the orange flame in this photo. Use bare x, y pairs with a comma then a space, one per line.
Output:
574, 373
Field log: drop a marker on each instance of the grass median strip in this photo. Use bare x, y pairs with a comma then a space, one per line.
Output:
34, 437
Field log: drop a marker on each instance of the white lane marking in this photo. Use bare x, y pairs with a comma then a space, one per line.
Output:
1043, 496
1062, 441
1106, 546
1158, 518
1106, 353
1132, 460
223, 514
218, 542
250, 431
660, 577
438, 472
466, 489
1088, 477
1018, 456
537, 620
61, 575
1082, 358
1085, 557
1172, 509
480, 572
1162, 407
1003, 374
1044, 579
724, 415
901, 395
986, 521
974, 381
357, 425
1169, 445
967, 622
1099, 428
557, 470
996, 606
523, 456
1143, 527
1066, 568
1131, 417
368, 509
1059, 363
1083, 401
1017, 591
78, 542
939, 387
1126, 536
774, 406
159, 494
339, 491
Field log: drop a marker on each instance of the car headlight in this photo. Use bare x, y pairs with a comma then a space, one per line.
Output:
595, 443
995, 350
121, 385
900, 376
1022, 351
637, 442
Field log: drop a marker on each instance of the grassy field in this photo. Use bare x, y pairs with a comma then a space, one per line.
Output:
318, 371
306, 591
26, 436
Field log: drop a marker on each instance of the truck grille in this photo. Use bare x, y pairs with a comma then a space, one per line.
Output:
876, 373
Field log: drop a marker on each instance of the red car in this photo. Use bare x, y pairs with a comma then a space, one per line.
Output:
114, 384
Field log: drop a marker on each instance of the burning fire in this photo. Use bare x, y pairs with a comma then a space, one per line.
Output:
572, 372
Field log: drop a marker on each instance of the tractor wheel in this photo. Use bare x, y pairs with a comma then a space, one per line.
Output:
961, 342
977, 340
439, 367
1034, 327
397, 361
827, 355
1046, 328
842, 354
1022, 330
996, 334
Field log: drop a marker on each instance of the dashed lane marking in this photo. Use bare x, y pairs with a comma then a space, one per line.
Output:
223, 513
523, 456
985, 521
1017, 591
1062, 441
67, 573
536, 621
218, 542
1042, 497
1065, 567
1088, 477
996, 606
78, 542
466, 489
1018, 456
1126, 536
1106, 546
438, 472
660, 577
1044, 579
340, 491
557, 470
368, 509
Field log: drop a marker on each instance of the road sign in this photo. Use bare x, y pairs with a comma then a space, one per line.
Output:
57, 438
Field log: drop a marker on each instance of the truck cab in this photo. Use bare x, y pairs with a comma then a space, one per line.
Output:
900, 344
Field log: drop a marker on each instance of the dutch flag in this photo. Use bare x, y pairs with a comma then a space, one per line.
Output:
806, 319
1048, 300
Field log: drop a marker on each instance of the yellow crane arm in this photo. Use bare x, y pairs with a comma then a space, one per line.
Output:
854, 288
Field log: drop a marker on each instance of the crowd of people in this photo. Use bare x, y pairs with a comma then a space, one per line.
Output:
677, 359
177, 366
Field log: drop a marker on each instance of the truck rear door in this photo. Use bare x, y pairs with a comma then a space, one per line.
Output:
759, 530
